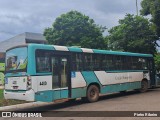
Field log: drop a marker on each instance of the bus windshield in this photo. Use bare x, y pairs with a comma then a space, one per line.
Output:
16, 59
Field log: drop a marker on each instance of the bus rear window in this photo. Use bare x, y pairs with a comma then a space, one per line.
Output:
16, 59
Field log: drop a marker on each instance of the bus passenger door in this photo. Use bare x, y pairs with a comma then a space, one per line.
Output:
60, 77
152, 72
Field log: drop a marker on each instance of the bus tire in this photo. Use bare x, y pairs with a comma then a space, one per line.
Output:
144, 86
84, 99
92, 93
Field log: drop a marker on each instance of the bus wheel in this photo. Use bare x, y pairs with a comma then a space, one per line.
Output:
92, 93
144, 86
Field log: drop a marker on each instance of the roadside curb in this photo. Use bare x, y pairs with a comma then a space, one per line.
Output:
24, 106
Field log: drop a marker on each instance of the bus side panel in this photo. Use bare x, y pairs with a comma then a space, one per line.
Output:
81, 81
78, 84
90, 77
45, 96
78, 92
120, 81
64, 93
120, 87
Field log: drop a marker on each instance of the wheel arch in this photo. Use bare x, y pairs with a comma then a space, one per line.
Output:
144, 79
96, 84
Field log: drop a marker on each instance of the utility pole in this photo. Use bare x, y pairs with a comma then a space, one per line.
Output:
137, 7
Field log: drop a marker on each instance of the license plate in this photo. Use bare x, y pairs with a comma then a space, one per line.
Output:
15, 87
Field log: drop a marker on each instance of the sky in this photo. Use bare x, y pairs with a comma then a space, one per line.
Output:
19, 16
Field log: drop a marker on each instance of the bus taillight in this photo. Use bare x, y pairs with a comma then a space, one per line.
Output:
29, 83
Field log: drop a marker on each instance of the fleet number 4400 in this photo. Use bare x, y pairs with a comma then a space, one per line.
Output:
43, 83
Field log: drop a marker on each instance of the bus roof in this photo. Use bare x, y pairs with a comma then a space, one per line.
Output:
86, 50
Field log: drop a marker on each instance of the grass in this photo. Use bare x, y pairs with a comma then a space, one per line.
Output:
4, 102
1, 94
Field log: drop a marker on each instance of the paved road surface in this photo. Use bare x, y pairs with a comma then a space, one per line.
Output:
130, 101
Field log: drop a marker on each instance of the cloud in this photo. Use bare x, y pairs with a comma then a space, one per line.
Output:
34, 16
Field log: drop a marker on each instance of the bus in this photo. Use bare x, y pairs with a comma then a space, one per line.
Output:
2, 68
37, 72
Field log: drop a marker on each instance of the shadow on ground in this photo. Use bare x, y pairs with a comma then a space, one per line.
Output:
57, 106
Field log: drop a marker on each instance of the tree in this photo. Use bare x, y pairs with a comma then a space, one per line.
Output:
152, 7
75, 29
133, 34
157, 61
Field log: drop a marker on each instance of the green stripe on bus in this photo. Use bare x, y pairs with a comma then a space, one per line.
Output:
90, 77
120, 87
121, 53
74, 49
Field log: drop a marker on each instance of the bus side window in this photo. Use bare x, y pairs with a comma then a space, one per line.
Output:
128, 63
104, 62
110, 64
96, 62
118, 62
144, 64
135, 64
42, 61
55, 69
77, 64
124, 63
88, 62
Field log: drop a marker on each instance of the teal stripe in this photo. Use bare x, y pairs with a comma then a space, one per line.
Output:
44, 96
90, 77
51, 95
16, 91
120, 87
120, 71
121, 53
74, 49
78, 92
44, 74
21, 74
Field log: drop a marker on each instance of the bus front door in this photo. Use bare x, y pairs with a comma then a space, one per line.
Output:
60, 77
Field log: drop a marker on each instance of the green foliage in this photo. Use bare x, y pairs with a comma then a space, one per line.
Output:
1, 93
133, 34
75, 29
157, 61
152, 7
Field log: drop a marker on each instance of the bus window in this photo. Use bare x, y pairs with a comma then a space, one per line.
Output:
42, 61
110, 63
77, 64
96, 62
55, 69
16, 59
118, 62
107, 62
63, 71
104, 62
88, 62
124, 62
135, 64
128, 62
143, 63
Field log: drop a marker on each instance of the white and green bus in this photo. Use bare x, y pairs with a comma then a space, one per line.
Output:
37, 72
